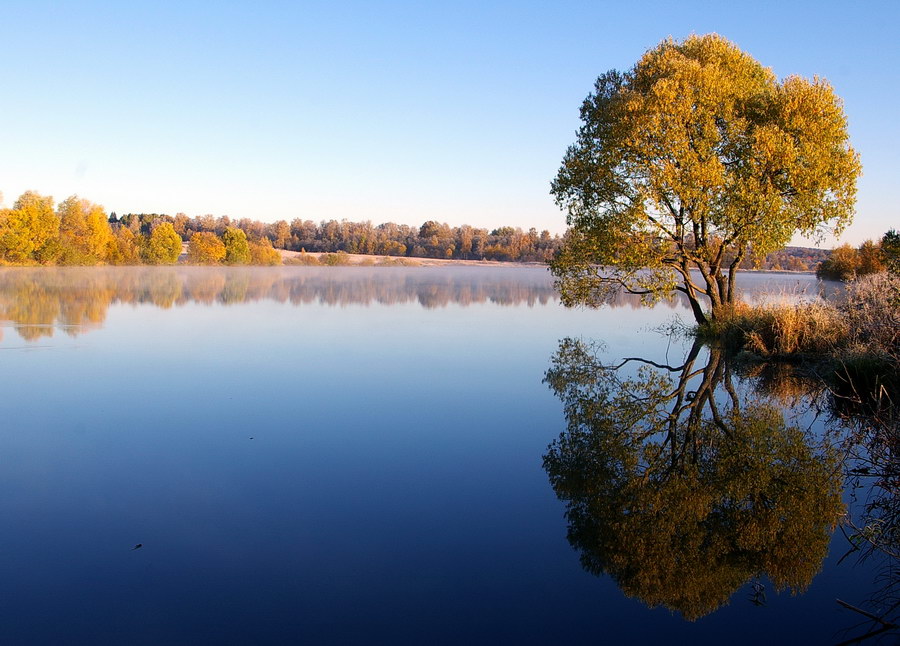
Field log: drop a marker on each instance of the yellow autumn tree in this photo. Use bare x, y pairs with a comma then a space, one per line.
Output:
30, 230
162, 247
263, 253
206, 248
15, 243
692, 160
84, 231
122, 248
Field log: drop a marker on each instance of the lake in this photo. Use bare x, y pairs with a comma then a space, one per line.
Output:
374, 455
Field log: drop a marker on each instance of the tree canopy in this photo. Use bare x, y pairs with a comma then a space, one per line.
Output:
84, 230
206, 248
163, 246
237, 250
692, 160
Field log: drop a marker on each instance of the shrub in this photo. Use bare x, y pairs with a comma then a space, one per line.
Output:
871, 306
397, 262
262, 253
303, 259
778, 330
335, 259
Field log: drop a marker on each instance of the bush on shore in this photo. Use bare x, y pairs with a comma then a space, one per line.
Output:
865, 321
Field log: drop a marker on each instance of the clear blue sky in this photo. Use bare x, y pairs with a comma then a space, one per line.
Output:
458, 111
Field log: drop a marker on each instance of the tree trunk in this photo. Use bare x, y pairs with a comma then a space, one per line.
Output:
699, 315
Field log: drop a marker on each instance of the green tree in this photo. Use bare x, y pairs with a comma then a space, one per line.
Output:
237, 250
205, 248
693, 159
163, 246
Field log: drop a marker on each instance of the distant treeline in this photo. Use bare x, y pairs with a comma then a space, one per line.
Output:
431, 240
79, 232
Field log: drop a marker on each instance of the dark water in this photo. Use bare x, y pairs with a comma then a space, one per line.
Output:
353, 455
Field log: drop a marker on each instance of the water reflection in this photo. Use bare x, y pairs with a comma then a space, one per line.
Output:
683, 484
38, 300
864, 401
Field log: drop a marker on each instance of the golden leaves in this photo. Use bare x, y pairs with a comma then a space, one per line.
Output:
702, 144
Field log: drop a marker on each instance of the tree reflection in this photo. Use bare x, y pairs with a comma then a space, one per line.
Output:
681, 485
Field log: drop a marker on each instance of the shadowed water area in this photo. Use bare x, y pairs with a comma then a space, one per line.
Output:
412, 455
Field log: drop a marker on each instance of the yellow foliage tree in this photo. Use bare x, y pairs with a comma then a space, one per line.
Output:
15, 243
263, 253
122, 248
162, 247
84, 231
205, 248
30, 230
692, 160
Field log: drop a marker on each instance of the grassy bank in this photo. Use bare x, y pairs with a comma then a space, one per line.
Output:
854, 341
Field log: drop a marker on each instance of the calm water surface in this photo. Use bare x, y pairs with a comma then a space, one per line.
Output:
334, 455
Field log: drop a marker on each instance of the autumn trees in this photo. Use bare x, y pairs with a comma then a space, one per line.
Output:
871, 257
205, 248
29, 230
76, 232
79, 232
84, 232
688, 162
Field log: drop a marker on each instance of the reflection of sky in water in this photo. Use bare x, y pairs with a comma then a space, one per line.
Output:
392, 491
76, 300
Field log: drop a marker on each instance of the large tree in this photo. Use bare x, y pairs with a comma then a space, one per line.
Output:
689, 162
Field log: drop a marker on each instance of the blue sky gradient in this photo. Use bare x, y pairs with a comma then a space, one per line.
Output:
458, 112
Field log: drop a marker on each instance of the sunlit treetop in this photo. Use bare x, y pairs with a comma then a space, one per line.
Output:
693, 159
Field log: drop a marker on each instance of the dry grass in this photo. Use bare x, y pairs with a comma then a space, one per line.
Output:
782, 330
871, 306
